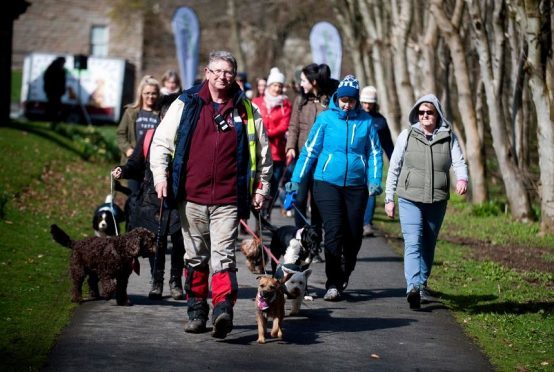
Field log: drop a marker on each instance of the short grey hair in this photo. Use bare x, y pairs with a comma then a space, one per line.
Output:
223, 55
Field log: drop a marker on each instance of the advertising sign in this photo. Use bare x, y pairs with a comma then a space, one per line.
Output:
326, 47
98, 89
187, 43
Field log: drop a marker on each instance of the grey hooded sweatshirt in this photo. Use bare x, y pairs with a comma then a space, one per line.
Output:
418, 169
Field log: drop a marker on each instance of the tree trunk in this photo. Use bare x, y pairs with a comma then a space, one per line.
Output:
376, 22
542, 98
345, 11
516, 193
401, 27
235, 36
474, 153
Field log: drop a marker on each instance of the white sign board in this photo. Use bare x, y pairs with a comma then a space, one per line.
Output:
98, 89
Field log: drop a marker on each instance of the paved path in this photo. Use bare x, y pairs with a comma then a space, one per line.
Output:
372, 329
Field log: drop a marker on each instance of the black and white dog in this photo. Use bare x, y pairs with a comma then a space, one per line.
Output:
298, 248
298, 245
107, 218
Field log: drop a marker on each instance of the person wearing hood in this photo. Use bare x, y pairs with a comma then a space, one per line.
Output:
345, 144
275, 109
418, 174
221, 166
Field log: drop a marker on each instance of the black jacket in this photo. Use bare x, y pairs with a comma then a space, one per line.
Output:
145, 206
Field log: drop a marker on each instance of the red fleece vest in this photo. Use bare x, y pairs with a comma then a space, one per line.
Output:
212, 164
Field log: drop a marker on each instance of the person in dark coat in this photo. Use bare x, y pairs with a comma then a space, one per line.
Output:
146, 213
54, 86
368, 100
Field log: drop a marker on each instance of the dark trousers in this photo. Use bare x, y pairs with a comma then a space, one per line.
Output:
342, 210
177, 256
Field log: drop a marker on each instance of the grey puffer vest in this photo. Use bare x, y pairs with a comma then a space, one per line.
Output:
424, 174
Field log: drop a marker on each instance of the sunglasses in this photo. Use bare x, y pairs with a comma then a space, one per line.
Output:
428, 112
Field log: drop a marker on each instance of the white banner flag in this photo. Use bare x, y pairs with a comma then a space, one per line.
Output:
327, 47
187, 42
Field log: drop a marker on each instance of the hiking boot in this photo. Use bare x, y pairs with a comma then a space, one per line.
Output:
176, 291
176, 286
157, 290
223, 324
332, 294
414, 298
368, 231
196, 326
425, 295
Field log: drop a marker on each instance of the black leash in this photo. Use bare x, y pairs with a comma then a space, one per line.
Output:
158, 235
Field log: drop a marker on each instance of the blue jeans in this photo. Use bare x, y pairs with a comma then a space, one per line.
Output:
420, 223
369, 211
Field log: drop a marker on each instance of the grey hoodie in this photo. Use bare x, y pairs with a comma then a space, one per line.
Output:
458, 162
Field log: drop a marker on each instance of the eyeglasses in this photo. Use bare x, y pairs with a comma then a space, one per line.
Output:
428, 112
218, 73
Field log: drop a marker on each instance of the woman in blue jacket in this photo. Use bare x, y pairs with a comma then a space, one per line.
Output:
349, 167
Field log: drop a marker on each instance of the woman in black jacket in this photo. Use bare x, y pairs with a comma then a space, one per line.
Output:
146, 213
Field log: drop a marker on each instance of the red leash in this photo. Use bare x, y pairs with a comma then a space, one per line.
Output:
260, 240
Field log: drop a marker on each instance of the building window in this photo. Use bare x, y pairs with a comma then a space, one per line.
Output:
99, 38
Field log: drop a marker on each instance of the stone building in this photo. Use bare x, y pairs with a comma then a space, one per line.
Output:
261, 34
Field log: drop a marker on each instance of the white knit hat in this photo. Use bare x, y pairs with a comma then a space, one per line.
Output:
369, 94
275, 76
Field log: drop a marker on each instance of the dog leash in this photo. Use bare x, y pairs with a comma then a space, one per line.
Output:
260, 230
111, 204
300, 213
249, 230
158, 235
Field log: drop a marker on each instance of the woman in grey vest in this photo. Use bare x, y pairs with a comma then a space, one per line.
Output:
418, 173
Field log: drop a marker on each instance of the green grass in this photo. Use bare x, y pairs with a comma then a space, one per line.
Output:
508, 313
44, 180
17, 77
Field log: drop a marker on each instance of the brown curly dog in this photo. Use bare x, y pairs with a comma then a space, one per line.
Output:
110, 260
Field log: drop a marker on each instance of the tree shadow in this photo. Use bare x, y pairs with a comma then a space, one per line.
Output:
381, 259
480, 305
44, 133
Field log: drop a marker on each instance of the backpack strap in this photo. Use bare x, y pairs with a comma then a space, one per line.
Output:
147, 140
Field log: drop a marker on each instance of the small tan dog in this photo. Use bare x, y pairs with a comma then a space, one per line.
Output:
270, 303
252, 250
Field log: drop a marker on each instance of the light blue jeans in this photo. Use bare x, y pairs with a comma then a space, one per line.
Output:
420, 223
369, 211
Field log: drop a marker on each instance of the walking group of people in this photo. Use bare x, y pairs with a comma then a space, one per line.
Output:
213, 155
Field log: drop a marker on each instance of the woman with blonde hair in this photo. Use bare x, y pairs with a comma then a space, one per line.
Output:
138, 117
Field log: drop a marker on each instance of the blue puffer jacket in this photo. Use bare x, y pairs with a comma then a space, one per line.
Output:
346, 147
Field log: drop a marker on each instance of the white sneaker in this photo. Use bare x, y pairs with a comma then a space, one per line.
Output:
368, 230
332, 295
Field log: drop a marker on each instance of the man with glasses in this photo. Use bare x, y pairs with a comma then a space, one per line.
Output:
221, 165
418, 173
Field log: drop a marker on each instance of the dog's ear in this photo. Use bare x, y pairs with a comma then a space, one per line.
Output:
285, 278
308, 272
